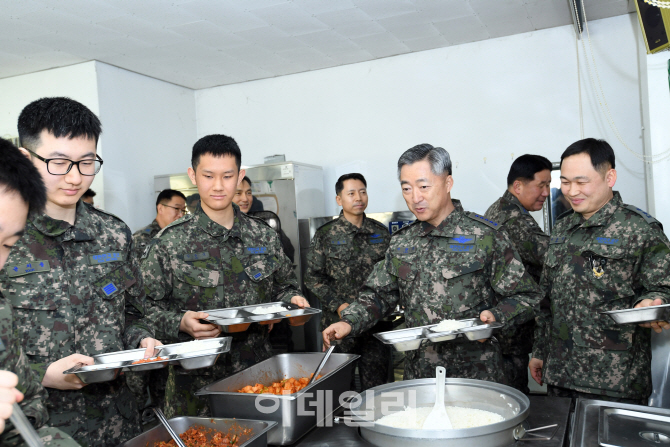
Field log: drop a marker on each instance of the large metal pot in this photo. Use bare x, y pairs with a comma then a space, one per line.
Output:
386, 399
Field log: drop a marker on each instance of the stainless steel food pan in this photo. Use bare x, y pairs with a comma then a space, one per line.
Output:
481, 331
640, 315
437, 337
295, 413
95, 373
617, 428
404, 339
206, 355
257, 437
237, 319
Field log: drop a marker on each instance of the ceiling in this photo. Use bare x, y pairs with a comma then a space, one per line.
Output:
205, 43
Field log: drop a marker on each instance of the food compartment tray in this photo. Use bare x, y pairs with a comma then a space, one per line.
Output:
236, 319
411, 338
640, 315
626, 428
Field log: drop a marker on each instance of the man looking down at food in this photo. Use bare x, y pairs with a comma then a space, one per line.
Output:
215, 258
449, 264
603, 255
75, 287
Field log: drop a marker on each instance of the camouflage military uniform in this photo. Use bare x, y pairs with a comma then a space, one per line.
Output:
197, 264
77, 289
583, 350
454, 270
155, 379
531, 243
339, 261
12, 359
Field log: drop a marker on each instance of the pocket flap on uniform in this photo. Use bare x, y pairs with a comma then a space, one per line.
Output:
455, 270
260, 270
115, 282
196, 276
339, 252
401, 269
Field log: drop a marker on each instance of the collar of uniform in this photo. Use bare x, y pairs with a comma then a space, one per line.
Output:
446, 227
154, 225
603, 215
53, 227
511, 198
214, 229
351, 228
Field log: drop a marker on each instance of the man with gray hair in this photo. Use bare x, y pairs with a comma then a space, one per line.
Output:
449, 264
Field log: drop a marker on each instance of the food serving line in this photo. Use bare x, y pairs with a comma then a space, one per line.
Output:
326, 413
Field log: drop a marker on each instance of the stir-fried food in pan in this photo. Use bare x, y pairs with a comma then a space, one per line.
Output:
199, 436
286, 386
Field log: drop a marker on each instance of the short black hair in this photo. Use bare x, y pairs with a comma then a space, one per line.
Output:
599, 151
248, 180
19, 175
217, 146
167, 194
339, 185
61, 117
192, 198
89, 193
525, 167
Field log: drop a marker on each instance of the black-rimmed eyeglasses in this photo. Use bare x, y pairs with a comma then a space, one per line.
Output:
61, 166
180, 210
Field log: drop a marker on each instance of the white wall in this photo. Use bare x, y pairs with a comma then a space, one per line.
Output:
149, 129
76, 81
485, 102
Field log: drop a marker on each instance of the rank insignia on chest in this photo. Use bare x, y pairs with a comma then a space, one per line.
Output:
376, 238
28, 267
109, 288
556, 240
200, 256
405, 250
257, 250
463, 239
104, 258
608, 240
339, 242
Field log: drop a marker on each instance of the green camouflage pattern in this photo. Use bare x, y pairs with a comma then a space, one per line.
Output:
583, 350
143, 236
196, 264
340, 258
78, 289
531, 243
452, 271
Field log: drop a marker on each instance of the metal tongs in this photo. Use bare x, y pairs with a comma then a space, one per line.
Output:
24, 427
166, 424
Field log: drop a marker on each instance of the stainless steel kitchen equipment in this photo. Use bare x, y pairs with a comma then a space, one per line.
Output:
108, 366
386, 399
604, 423
233, 318
639, 315
295, 413
257, 437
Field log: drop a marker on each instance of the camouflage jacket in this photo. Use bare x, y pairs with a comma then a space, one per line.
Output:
340, 258
77, 289
582, 349
12, 359
196, 264
531, 243
455, 270
143, 236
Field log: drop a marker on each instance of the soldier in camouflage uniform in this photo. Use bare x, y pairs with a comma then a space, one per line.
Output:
341, 256
527, 189
217, 257
603, 256
20, 190
170, 206
450, 264
75, 287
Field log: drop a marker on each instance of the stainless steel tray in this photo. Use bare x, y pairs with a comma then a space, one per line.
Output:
627, 428
640, 315
296, 413
411, 338
238, 319
108, 366
257, 438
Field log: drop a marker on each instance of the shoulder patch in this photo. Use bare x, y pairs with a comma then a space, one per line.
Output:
482, 219
645, 215
147, 230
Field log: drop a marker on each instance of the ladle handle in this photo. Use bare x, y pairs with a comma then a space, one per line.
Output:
24, 427
440, 374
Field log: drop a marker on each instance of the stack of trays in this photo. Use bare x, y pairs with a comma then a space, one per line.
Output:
411, 339
238, 319
189, 355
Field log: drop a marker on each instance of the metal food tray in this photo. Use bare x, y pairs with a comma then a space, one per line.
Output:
626, 428
257, 437
411, 338
108, 366
237, 319
296, 413
640, 315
